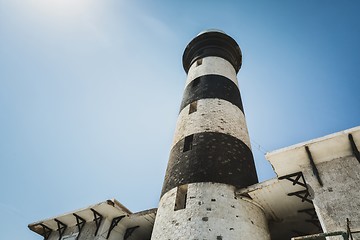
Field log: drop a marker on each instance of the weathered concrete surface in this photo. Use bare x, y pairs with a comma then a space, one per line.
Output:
212, 86
339, 198
211, 153
88, 232
213, 157
212, 115
212, 212
212, 65
142, 223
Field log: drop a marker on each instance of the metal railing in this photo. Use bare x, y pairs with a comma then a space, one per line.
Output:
345, 236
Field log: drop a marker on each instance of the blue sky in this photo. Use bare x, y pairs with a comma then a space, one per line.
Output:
90, 92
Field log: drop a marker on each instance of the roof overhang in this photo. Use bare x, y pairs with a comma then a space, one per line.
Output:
107, 209
295, 158
286, 211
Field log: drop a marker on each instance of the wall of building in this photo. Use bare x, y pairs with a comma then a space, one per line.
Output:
339, 197
211, 212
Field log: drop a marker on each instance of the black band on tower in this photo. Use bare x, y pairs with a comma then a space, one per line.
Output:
212, 43
212, 86
210, 157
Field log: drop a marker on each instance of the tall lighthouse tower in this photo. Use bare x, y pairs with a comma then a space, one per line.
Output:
211, 154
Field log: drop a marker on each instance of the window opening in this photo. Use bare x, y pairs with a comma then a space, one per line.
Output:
188, 143
198, 62
181, 195
193, 107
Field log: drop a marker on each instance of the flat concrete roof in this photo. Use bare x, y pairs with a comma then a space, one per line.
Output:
108, 209
285, 213
292, 159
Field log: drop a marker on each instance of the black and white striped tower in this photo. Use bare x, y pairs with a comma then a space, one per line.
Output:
211, 155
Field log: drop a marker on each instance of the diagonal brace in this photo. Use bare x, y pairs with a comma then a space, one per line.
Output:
298, 176
61, 228
354, 148
310, 211
114, 223
97, 219
129, 231
315, 222
301, 194
80, 223
47, 231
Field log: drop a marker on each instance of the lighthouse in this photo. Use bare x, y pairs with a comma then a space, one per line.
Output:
210, 157
211, 190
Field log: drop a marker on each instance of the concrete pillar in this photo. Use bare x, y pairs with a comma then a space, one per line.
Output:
339, 197
211, 154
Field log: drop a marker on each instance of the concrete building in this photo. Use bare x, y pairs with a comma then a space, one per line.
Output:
211, 190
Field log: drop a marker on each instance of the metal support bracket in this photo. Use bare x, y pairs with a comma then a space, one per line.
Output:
314, 218
61, 228
47, 231
315, 222
129, 231
97, 219
299, 233
313, 166
354, 148
80, 223
348, 230
301, 194
113, 224
298, 176
309, 211
321, 236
